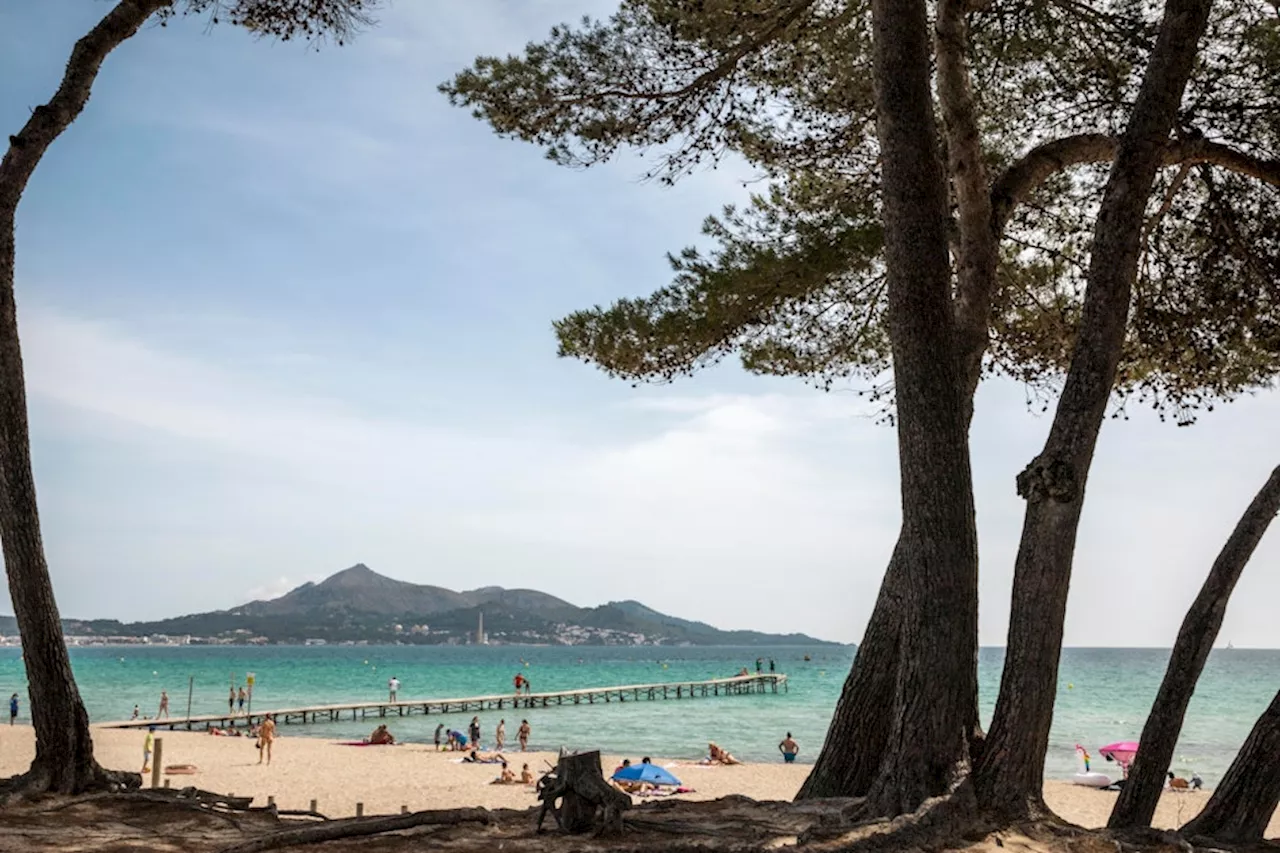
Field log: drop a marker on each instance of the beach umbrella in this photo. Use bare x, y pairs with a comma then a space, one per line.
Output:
651, 773
1123, 752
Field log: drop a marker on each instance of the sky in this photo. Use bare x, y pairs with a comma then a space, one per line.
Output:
286, 310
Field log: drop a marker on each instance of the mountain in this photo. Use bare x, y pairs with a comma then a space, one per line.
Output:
360, 605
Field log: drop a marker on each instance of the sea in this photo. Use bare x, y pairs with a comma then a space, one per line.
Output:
1103, 694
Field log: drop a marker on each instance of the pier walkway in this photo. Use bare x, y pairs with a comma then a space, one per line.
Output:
737, 685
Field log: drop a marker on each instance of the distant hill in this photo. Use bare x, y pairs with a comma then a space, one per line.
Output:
360, 605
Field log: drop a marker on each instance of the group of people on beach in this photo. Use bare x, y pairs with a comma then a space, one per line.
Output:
456, 741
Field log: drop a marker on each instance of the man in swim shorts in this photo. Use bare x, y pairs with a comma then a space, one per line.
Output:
789, 749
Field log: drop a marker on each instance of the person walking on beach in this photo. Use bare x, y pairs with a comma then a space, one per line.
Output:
147, 743
393, 687
240, 697
789, 749
439, 730
266, 736
500, 736
474, 731
522, 734
13, 708
164, 705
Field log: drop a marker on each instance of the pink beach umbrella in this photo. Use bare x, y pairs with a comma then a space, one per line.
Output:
1122, 752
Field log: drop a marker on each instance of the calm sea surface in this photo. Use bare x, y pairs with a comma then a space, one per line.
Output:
1103, 694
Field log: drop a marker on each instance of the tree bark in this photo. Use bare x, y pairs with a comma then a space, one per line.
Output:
1141, 793
64, 750
1010, 778
936, 688
859, 730
1242, 806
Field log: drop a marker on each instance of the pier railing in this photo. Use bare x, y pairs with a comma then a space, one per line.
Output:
737, 685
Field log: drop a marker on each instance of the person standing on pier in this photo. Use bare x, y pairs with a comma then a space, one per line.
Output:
771, 665
393, 687
522, 734
500, 736
164, 705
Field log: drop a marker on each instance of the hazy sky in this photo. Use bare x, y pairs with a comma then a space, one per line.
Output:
286, 311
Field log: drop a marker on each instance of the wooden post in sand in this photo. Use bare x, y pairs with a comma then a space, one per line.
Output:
155, 763
404, 810
359, 809
271, 801
314, 805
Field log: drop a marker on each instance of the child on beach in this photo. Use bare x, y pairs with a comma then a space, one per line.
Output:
146, 749
439, 731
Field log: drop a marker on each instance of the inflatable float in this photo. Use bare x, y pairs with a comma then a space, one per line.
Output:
1087, 777
1091, 780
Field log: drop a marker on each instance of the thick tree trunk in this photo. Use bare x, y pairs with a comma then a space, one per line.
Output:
859, 730
1243, 804
1011, 775
64, 751
936, 689
1141, 793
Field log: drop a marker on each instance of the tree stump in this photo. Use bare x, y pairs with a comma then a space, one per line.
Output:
587, 801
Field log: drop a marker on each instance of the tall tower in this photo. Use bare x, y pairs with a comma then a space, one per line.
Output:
480, 637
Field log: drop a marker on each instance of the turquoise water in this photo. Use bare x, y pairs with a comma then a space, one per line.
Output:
1103, 695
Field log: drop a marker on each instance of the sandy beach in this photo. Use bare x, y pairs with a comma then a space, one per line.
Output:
414, 775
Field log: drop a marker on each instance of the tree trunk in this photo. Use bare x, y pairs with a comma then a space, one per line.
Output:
1010, 780
859, 730
64, 750
579, 785
1243, 804
1141, 793
936, 687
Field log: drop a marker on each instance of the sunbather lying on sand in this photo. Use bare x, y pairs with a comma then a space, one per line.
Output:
716, 755
476, 758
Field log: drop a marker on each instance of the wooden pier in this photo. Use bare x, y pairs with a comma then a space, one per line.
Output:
738, 685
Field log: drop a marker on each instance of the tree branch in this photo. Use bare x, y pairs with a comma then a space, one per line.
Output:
978, 256
49, 120
712, 75
1040, 163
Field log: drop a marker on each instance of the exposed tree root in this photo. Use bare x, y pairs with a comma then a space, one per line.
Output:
941, 821
358, 827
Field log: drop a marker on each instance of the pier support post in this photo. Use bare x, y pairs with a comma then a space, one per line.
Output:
155, 763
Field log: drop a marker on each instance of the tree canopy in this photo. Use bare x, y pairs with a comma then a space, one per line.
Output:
793, 281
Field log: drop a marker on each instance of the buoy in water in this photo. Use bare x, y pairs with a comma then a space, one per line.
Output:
1070, 686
